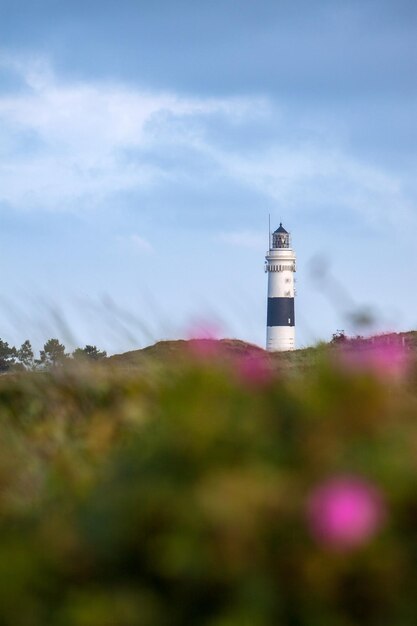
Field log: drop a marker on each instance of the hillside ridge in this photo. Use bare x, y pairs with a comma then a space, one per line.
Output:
178, 348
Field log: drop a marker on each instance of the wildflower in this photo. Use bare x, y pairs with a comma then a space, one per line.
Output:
203, 341
254, 369
345, 512
383, 356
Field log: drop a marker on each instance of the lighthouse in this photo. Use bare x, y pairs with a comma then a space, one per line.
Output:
280, 267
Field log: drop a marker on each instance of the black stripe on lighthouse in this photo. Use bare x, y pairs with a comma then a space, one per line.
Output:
280, 312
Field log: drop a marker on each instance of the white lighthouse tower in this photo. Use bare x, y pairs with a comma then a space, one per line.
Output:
280, 266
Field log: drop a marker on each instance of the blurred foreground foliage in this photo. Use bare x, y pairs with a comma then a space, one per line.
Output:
176, 494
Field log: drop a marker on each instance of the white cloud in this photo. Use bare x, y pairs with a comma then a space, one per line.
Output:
81, 131
298, 177
63, 146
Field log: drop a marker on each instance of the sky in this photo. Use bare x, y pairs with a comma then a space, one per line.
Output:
144, 144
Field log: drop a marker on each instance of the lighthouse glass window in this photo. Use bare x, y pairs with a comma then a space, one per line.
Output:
281, 240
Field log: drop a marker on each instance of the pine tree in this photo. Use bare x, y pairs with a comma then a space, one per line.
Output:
8, 356
89, 352
25, 355
53, 354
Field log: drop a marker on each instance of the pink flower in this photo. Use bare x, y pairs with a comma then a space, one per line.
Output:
345, 512
203, 341
205, 349
254, 369
383, 356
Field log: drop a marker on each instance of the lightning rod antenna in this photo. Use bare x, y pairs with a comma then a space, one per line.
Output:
269, 230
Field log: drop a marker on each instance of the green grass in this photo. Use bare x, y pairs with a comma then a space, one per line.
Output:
169, 487
302, 358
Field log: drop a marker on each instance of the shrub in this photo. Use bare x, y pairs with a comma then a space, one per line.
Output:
213, 491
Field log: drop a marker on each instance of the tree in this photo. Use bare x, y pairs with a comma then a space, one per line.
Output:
25, 355
8, 356
339, 337
89, 352
53, 354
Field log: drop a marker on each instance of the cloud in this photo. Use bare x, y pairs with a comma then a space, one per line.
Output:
74, 145
82, 132
299, 177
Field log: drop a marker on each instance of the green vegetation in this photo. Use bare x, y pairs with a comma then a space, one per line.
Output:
291, 361
207, 483
52, 355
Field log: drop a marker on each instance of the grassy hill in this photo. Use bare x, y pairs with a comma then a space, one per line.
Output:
181, 349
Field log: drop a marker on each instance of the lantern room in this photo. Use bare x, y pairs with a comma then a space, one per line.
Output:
281, 238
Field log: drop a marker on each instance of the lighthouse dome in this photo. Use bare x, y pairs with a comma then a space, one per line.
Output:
281, 229
280, 238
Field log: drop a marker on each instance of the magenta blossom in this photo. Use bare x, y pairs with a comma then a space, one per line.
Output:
345, 512
205, 349
203, 341
383, 356
254, 369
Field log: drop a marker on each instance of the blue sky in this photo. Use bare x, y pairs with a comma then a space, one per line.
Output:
143, 144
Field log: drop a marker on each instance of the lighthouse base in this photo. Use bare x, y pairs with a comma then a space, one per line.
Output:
280, 338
